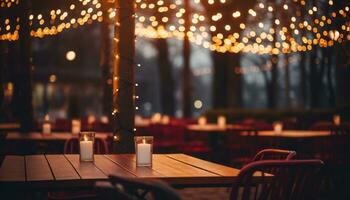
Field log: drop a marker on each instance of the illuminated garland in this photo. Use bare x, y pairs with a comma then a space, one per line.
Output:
296, 36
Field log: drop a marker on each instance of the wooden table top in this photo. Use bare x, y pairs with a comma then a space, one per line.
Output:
9, 126
66, 171
215, 127
293, 134
48, 137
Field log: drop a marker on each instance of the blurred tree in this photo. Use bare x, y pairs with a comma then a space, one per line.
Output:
23, 80
106, 59
187, 86
165, 68
167, 90
227, 84
2, 56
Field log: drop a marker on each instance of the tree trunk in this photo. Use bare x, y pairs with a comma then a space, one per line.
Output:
23, 80
330, 74
2, 71
235, 82
273, 86
221, 80
106, 62
287, 80
166, 78
303, 77
124, 76
187, 73
314, 80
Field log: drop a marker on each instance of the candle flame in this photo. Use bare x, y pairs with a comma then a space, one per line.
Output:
85, 138
144, 141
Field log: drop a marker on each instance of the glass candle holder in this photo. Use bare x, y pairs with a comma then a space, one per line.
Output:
76, 126
165, 120
336, 120
156, 118
46, 128
144, 150
278, 127
202, 121
221, 121
86, 144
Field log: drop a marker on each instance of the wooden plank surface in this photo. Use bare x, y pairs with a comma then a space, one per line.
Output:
9, 126
214, 128
13, 169
109, 167
48, 137
128, 162
61, 168
62, 171
86, 170
172, 168
295, 134
37, 168
205, 165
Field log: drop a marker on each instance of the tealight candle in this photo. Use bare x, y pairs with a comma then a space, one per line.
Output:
165, 119
202, 121
221, 121
336, 120
86, 145
143, 147
76, 126
46, 125
278, 127
46, 128
156, 118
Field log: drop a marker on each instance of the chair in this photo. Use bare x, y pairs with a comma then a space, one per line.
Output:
287, 179
274, 154
135, 189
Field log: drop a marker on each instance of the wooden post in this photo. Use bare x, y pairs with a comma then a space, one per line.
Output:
187, 73
23, 83
106, 61
123, 77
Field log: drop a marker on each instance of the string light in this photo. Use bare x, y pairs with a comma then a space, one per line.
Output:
297, 36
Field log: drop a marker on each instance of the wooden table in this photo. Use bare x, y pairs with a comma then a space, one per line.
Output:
9, 126
55, 172
48, 137
292, 134
38, 143
215, 128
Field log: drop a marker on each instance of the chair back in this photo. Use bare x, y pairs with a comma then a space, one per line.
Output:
290, 180
274, 154
71, 146
135, 189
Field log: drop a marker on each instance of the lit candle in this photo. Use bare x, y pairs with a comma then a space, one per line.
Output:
156, 118
278, 127
165, 119
336, 120
144, 153
221, 121
202, 121
76, 126
86, 150
46, 128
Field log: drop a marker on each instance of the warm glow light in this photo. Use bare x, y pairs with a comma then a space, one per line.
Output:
70, 55
198, 104
53, 78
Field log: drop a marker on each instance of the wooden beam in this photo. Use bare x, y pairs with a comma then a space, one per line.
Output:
106, 61
124, 75
187, 73
23, 83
